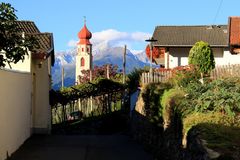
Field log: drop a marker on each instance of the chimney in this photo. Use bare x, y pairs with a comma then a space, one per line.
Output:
234, 34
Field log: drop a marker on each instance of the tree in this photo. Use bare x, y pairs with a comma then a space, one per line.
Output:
133, 79
202, 57
13, 45
100, 72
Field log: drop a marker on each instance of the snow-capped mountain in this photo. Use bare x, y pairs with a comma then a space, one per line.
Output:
142, 57
105, 55
67, 60
115, 56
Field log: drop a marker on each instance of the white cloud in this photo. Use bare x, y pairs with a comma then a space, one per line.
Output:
109, 35
114, 38
72, 43
140, 36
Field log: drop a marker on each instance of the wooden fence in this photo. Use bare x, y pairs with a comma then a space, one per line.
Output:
156, 77
88, 107
225, 71
219, 72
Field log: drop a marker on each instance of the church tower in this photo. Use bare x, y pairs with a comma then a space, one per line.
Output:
84, 52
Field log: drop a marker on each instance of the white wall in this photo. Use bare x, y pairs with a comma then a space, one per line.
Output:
179, 57
228, 58
24, 66
15, 110
41, 107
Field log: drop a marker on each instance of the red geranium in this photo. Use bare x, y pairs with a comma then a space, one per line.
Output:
156, 52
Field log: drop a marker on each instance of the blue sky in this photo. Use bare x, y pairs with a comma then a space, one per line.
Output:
119, 21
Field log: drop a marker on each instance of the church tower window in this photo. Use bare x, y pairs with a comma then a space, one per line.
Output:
82, 62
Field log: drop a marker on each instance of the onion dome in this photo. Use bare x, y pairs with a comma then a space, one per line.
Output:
84, 35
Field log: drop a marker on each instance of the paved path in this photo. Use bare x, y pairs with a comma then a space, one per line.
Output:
81, 147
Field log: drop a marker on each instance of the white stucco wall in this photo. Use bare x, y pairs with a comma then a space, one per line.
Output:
15, 110
41, 108
228, 58
166, 59
179, 57
24, 66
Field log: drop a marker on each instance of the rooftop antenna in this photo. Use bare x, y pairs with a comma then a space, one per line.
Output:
218, 10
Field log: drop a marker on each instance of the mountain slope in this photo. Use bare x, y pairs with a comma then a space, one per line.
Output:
112, 55
115, 56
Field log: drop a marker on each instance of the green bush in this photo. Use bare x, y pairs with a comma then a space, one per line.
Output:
95, 88
133, 80
222, 95
171, 102
151, 96
210, 117
220, 131
183, 75
202, 56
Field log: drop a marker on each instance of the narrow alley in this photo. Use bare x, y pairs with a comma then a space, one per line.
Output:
81, 147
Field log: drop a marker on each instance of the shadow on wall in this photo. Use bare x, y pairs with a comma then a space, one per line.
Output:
163, 144
179, 61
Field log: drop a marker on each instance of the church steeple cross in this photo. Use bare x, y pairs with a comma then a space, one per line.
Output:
84, 20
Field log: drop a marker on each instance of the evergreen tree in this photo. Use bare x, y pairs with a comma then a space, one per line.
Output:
202, 57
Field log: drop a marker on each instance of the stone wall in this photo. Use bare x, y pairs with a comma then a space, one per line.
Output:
164, 140
163, 144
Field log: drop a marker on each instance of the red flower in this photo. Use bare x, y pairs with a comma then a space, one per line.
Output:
156, 52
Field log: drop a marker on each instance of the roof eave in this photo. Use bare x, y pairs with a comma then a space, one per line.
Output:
44, 54
50, 52
159, 45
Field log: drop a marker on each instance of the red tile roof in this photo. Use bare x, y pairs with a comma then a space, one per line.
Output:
234, 31
84, 35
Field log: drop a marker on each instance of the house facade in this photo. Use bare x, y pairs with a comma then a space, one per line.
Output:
24, 94
174, 43
38, 64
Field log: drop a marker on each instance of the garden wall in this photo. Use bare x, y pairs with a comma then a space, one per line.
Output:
163, 138
15, 110
163, 144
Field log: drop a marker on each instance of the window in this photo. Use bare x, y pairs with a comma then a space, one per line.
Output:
88, 50
82, 62
82, 49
